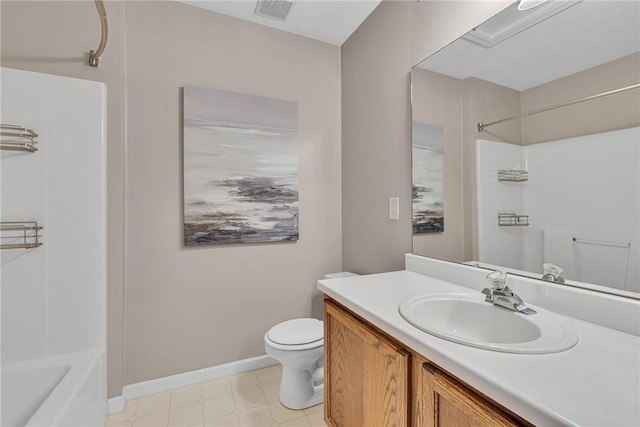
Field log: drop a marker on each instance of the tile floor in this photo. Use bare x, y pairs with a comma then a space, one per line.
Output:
249, 399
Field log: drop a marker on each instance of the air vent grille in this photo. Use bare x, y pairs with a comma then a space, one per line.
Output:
274, 9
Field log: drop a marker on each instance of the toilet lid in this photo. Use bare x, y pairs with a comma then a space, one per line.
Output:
297, 331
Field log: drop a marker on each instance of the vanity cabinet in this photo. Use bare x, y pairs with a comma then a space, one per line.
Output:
366, 375
372, 380
440, 400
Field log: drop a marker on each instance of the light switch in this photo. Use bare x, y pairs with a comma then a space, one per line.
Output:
394, 208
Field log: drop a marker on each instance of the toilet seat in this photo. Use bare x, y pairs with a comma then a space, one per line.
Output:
296, 334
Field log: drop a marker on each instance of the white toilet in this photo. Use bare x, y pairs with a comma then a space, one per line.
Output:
298, 345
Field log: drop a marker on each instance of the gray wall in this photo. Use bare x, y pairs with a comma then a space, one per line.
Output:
437, 99
376, 121
482, 101
601, 115
171, 309
199, 307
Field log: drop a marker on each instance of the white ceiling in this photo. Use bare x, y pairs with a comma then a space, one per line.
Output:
582, 36
331, 21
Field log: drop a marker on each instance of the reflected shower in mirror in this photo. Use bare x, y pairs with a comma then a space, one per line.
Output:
541, 148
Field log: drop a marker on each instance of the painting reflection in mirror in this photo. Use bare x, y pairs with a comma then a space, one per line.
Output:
428, 176
581, 197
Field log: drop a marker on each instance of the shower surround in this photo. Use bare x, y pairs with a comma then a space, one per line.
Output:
54, 296
583, 202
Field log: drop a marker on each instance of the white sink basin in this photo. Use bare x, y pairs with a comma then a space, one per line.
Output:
468, 319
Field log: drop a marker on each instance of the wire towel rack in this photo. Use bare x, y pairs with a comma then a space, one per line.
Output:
20, 234
601, 242
17, 138
513, 220
513, 175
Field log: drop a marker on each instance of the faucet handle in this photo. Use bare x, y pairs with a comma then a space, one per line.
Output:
552, 269
498, 279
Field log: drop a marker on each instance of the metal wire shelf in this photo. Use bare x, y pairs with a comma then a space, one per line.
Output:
20, 235
512, 220
512, 175
17, 138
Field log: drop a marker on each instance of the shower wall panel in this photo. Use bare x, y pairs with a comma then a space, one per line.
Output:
53, 297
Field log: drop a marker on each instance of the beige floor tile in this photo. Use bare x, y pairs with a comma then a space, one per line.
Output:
317, 419
129, 411
154, 403
120, 424
158, 419
281, 414
186, 395
215, 388
186, 415
243, 381
314, 409
218, 406
226, 421
297, 422
269, 374
249, 398
259, 416
271, 391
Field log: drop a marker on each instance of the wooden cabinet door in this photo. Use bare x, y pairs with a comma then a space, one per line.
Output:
366, 376
442, 401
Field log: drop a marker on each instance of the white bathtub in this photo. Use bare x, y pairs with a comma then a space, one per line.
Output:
67, 390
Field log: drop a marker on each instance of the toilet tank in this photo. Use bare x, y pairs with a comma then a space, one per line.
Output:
340, 275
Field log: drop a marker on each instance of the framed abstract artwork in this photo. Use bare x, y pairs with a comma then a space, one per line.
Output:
240, 168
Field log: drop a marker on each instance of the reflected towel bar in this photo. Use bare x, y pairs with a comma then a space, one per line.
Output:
602, 243
481, 126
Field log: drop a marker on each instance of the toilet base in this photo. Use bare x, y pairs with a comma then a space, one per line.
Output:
298, 390
316, 399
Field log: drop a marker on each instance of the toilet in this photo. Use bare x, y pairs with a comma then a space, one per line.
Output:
298, 345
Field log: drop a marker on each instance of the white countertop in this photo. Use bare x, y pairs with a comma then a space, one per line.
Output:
595, 383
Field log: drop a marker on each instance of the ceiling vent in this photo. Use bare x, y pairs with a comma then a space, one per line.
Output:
274, 9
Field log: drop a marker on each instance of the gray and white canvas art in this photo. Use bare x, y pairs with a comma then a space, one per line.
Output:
240, 168
428, 178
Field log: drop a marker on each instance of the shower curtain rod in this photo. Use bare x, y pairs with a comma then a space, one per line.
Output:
94, 56
481, 126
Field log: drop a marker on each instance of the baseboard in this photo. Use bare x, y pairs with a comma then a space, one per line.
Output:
159, 385
115, 405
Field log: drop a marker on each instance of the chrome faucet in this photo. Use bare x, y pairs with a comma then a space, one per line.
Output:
501, 295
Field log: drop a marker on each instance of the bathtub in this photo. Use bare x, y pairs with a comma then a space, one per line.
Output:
66, 390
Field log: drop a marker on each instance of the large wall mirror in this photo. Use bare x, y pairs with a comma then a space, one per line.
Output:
554, 183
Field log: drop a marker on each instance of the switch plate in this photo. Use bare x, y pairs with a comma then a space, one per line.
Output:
394, 208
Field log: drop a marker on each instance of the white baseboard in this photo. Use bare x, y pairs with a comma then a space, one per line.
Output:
115, 405
159, 385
